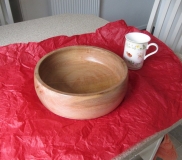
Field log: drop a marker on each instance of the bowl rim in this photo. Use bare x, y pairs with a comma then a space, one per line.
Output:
36, 71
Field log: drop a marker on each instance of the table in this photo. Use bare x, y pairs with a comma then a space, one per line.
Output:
40, 29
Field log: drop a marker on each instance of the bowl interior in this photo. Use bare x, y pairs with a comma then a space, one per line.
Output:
81, 69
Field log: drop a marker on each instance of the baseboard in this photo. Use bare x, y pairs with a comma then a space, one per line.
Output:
142, 27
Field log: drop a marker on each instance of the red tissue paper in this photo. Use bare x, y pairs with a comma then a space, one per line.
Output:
29, 131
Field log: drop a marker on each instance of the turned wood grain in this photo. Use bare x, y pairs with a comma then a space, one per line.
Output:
81, 82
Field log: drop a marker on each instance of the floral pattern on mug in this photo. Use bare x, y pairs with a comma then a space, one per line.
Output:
129, 54
133, 64
140, 55
136, 47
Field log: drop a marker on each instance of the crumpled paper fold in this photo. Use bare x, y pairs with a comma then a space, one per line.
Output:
29, 131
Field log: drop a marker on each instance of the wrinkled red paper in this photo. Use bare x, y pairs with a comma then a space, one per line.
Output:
29, 131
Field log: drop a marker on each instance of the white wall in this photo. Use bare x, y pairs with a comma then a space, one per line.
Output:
134, 12
32, 9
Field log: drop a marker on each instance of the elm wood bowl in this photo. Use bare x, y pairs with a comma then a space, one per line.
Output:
81, 82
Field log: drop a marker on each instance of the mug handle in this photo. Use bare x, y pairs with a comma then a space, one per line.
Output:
151, 44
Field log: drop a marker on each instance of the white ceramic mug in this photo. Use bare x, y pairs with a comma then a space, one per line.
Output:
135, 48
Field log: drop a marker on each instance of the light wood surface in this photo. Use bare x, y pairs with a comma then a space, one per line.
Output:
81, 82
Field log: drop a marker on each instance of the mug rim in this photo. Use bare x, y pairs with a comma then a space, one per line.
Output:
137, 34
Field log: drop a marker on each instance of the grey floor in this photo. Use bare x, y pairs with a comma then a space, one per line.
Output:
176, 137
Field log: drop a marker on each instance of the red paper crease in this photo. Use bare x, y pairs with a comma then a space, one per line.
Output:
29, 131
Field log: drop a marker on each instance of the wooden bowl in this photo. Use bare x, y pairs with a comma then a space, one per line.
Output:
81, 82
